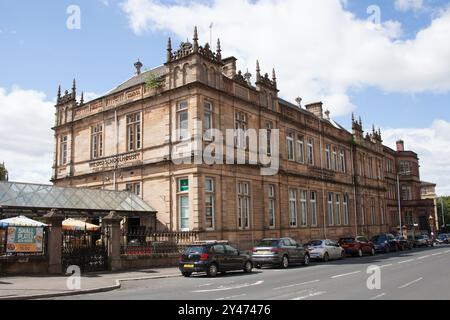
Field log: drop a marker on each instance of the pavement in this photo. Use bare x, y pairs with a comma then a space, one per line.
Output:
39, 287
420, 274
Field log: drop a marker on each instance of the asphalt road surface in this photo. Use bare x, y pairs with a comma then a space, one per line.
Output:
419, 274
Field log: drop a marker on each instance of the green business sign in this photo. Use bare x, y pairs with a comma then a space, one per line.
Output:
184, 185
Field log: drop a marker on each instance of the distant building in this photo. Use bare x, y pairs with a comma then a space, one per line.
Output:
428, 191
330, 182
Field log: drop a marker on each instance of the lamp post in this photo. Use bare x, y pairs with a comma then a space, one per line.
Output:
399, 205
443, 215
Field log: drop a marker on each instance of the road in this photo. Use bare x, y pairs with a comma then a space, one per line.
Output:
411, 275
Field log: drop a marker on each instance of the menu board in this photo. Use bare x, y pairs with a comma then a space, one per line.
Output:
25, 239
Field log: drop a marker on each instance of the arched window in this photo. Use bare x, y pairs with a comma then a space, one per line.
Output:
177, 77
205, 73
185, 68
212, 77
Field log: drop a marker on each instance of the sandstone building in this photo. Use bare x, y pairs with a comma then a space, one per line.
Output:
330, 183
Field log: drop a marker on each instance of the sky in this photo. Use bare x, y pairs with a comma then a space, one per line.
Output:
386, 61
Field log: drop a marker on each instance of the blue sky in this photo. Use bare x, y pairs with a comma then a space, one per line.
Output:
38, 52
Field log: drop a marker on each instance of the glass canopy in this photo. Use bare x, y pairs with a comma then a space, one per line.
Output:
14, 195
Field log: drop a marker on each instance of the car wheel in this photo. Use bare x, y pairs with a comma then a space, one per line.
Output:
387, 249
326, 257
248, 267
187, 274
372, 252
212, 270
285, 262
360, 253
306, 260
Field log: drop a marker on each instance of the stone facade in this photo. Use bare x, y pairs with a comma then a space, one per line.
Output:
126, 139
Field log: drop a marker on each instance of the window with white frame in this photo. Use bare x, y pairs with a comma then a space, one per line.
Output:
330, 209
269, 127
292, 207
338, 210
405, 168
343, 167
310, 153
304, 208
301, 149
63, 150
346, 210
97, 141
272, 201
209, 204
240, 124
134, 131
335, 159
182, 121
290, 146
328, 156
243, 190
183, 203
363, 213
134, 187
373, 212
313, 206
207, 120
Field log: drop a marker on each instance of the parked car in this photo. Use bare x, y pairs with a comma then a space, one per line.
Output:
357, 246
423, 241
325, 250
212, 258
279, 252
403, 243
384, 243
443, 238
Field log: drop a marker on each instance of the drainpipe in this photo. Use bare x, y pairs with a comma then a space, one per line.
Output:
354, 192
323, 190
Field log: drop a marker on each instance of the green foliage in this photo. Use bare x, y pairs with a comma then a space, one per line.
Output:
446, 202
3, 172
152, 81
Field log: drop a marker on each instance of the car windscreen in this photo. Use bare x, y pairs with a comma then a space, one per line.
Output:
315, 243
378, 239
268, 243
347, 240
195, 250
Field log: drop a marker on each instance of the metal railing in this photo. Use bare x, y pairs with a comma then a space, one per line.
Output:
141, 241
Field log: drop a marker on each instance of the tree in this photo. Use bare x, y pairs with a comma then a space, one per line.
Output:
3, 172
446, 202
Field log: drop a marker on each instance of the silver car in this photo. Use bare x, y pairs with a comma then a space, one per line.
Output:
325, 250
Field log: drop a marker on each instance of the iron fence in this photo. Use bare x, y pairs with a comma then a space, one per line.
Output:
142, 241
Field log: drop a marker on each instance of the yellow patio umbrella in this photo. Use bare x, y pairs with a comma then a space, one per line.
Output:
72, 224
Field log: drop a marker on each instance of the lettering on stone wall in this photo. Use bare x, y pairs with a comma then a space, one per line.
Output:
116, 162
133, 94
321, 173
96, 105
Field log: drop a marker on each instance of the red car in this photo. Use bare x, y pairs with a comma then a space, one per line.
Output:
357, 246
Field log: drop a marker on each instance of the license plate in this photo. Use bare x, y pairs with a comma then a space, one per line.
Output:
264, 252
189, 266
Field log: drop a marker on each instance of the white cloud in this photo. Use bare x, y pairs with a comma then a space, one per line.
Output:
26, 144
431, 144
408, 5
319, 49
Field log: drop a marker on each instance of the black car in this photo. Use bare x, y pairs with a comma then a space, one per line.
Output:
385, 243
279, 252
403, 243
212, 258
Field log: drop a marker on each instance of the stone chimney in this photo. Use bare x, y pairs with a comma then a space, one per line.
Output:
138, 65
229, 67
400, 145
316, 109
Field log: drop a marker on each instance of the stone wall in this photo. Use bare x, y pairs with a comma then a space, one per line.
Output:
24, 265
149, 261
